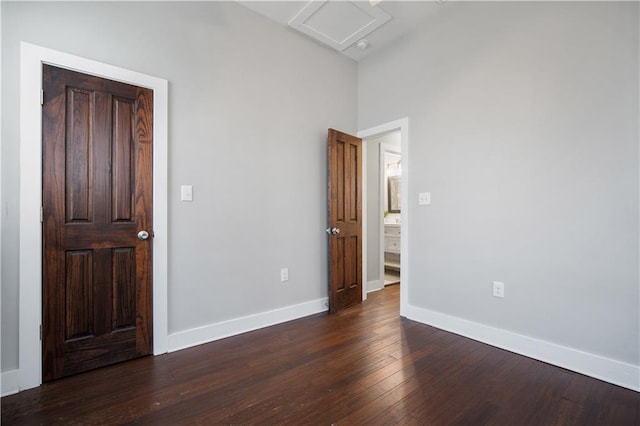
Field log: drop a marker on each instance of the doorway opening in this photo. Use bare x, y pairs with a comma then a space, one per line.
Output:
385, 214
391, 176
384, 177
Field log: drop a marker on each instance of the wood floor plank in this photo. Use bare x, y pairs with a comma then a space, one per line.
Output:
364, 365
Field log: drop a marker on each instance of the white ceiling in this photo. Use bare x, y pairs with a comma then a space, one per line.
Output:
341, 24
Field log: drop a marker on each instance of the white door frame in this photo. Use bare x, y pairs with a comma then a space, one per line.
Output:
401, 125
32, 58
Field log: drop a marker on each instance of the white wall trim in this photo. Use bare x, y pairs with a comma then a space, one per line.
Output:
2, 391
401, 125
30, 302
638, 374
10, 382
365, 224
381, 209
209, 333
599, 367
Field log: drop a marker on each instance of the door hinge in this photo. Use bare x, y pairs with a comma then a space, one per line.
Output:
41, 97
40, 331
41, 214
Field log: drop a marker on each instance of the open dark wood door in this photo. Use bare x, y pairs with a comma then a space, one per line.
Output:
345, 220
97, 222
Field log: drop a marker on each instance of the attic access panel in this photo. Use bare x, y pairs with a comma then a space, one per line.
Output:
339, 24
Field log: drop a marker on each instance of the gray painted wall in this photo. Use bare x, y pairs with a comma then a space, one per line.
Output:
250, 104
524, 128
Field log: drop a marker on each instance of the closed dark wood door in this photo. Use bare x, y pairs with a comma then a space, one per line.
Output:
96, 197
345, 220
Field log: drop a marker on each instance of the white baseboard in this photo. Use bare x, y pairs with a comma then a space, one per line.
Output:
209, 333
599, 367
10, 382
375, 285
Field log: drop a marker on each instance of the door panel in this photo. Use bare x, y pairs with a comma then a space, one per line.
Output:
78, 156
97, 195
79, 294
122, 162
345, 215
124, 296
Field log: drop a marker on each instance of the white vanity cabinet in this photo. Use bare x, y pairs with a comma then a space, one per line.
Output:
392, 248
392, 238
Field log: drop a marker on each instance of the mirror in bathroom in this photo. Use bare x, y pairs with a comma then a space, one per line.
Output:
393, 196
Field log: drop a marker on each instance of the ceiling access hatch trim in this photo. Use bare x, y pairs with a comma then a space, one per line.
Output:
339, 24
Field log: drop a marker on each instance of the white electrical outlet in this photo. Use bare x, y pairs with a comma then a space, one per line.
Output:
186, 193
284, 274
424, 198
498, 289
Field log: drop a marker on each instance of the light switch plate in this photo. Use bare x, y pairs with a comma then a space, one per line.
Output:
498, 289
186, 193
424, 198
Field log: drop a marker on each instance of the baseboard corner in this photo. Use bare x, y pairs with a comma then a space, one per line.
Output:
375, 285
10, 382
596, 366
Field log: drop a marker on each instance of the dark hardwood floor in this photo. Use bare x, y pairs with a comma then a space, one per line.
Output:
362, 366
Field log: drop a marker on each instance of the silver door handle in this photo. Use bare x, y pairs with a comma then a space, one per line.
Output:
143, 235
333, 231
